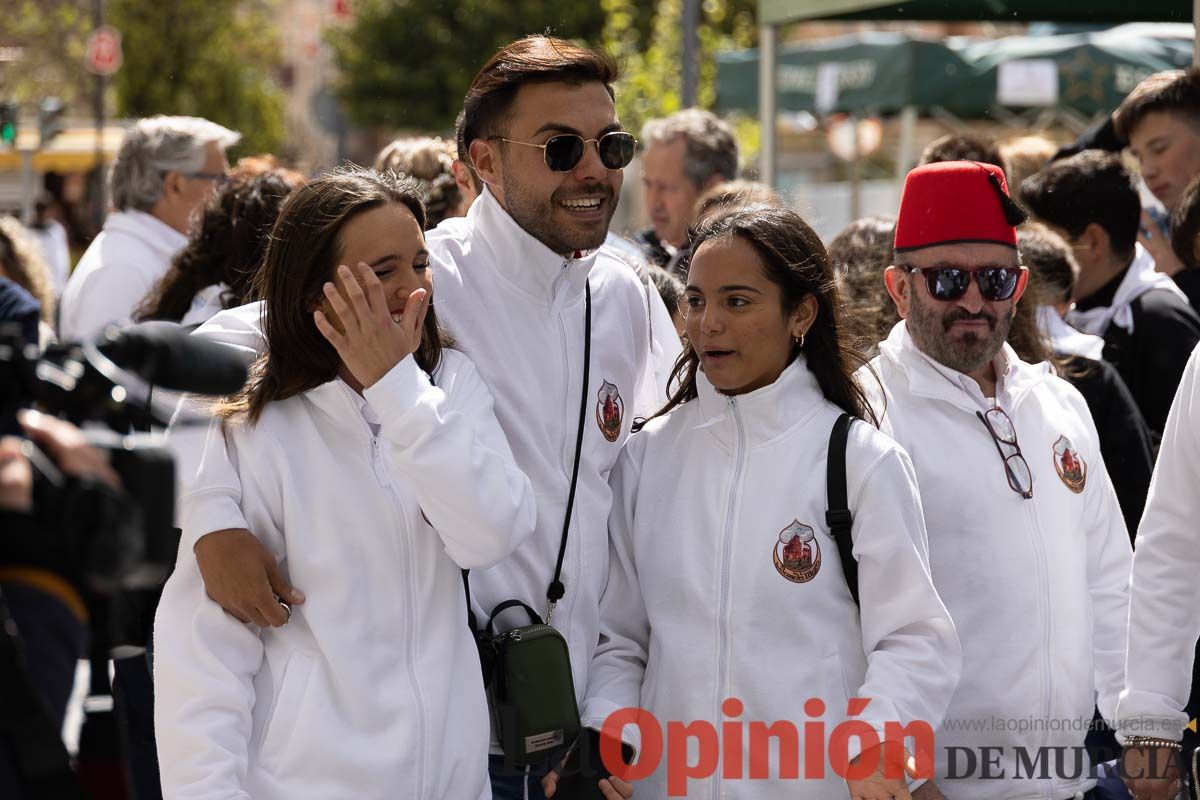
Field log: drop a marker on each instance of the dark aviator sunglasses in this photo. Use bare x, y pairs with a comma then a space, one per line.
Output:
564, 151
950, 283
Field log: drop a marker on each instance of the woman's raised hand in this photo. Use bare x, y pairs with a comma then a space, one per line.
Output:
362, 330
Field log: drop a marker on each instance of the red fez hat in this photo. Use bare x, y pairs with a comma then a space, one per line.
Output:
955, 202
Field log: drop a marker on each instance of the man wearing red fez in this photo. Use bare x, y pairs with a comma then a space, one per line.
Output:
1027, 544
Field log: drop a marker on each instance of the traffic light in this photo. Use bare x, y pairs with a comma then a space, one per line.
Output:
50, 112
8, 123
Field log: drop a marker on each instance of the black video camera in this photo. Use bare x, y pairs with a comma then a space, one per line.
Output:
103, 540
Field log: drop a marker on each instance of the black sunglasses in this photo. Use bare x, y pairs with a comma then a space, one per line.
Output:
564, 151
950, 283
1016, 468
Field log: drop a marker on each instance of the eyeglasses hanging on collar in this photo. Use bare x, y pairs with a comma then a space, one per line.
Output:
1016, 468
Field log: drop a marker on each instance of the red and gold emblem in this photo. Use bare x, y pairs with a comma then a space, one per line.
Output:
1070, 467
610, 411
797, 554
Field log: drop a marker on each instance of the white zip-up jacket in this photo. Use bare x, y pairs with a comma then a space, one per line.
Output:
127, 258
517, 310
705, 601
1165, 592
373, 689
1038, 588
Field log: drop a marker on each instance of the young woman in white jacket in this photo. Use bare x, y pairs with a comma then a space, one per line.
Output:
726, 607
372, 467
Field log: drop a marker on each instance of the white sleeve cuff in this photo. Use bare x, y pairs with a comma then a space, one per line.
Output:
596, 711
206, 512
399, 389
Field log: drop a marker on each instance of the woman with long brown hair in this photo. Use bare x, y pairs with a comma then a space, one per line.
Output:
726, 595
370, 464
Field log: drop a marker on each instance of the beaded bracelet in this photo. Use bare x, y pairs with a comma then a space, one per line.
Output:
1148, 741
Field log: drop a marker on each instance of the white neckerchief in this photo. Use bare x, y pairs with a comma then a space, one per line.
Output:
1140, 277
1065, 339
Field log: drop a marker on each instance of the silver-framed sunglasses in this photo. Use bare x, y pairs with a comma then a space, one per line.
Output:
564, 151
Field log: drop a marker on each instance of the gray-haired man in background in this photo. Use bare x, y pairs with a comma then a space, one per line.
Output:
166, 169
686, 154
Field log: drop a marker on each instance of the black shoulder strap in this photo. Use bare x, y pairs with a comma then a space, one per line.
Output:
837, 514
556, 589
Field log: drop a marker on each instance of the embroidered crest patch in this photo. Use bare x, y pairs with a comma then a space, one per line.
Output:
610, 411
1069, 466
797, 554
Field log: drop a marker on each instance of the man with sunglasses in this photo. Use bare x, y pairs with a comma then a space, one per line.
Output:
527, 289
1027, 544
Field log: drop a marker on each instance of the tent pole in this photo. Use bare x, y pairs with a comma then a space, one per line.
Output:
908, 137
691, 50
766, 103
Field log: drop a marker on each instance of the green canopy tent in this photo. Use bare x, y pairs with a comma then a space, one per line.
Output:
882, 73
778, 12
774, 13
875, 73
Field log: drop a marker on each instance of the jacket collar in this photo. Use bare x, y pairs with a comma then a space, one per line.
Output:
927, 378
524, 261
764, 413
348, 411
156, 234
1065, 339
1140, 277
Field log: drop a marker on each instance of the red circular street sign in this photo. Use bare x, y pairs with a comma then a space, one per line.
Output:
104, 55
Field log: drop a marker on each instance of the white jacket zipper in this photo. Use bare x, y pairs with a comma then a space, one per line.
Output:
1044, 586
726, 557
406, 554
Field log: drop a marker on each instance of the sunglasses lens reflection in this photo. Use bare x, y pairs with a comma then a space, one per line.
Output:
616, 149
564, 152
998, 283
947, 284
950, 283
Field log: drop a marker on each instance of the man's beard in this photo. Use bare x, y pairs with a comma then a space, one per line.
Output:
968, 352
536, 217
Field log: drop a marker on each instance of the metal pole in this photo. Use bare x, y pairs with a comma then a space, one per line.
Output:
1196, 32
691, 51
908, 135
27, 190
99, 204
856, 171
766, 103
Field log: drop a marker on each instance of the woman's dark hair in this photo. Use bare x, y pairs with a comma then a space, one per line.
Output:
22, 263
793, 259
669, 286
1052, 272
302, 253
860, 253
227, 247
1185, 226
